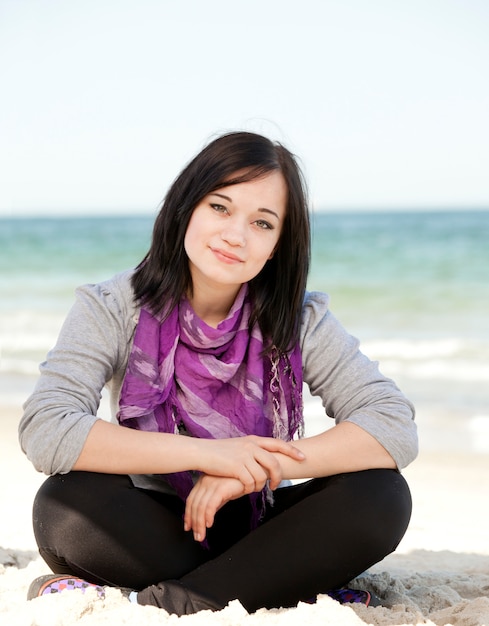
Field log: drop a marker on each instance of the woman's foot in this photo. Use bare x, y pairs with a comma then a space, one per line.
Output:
344, 596
170, 595
57, 583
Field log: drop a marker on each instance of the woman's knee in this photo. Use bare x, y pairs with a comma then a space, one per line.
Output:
101, 527
377, 502
374, 505
384, 495
66, 501
71, 518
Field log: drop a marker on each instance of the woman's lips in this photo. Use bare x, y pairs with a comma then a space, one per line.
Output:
226, 257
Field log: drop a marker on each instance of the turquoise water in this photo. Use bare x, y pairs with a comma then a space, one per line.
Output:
413, 286
415, 273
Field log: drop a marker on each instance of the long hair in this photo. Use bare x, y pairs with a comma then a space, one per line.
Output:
277, 292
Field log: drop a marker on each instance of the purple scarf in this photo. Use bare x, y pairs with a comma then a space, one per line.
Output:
186, 377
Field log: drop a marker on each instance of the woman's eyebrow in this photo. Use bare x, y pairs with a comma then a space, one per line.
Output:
263, 209
221, 195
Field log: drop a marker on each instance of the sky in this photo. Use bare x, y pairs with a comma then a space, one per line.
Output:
385, 102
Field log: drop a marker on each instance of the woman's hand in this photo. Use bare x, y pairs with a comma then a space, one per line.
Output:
209, 494
248, 459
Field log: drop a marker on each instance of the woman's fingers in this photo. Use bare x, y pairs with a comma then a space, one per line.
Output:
195, 517
278, 445
209, 494
254, 476
265, 458
251, 459
270, 467
202, 504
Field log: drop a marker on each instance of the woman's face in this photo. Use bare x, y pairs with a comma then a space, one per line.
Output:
234, 230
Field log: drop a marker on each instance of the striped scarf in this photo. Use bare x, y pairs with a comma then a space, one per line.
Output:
185, 377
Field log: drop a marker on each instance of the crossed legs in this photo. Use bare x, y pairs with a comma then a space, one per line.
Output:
317, 536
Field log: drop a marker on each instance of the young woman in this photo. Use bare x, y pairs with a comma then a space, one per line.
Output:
185, 501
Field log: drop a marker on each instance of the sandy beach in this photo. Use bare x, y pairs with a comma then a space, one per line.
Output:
439, 574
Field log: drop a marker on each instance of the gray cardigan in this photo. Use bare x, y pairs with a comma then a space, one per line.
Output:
93, 349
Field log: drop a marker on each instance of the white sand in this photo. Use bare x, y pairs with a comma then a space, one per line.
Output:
439, 575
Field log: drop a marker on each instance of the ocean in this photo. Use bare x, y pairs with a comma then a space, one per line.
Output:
412, 286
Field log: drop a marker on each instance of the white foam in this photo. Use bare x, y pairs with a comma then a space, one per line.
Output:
459, 370
406, 349
479, 432
448, 359
24, 367
29, 329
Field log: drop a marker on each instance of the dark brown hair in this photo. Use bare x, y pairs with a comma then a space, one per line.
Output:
277, 292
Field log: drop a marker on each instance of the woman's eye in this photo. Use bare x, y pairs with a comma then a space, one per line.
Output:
219, 208
264, 224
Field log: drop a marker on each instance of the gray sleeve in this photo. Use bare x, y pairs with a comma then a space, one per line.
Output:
91, 349
351, 386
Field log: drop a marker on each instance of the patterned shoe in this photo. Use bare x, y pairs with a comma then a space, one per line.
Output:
344, 596
52, 583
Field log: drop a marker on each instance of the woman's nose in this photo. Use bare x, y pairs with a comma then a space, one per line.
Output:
234, 235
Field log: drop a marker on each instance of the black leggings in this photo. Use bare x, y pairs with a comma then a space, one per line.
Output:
317, 536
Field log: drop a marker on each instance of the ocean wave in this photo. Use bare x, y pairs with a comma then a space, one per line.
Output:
28, 331
436, 369
425, 349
